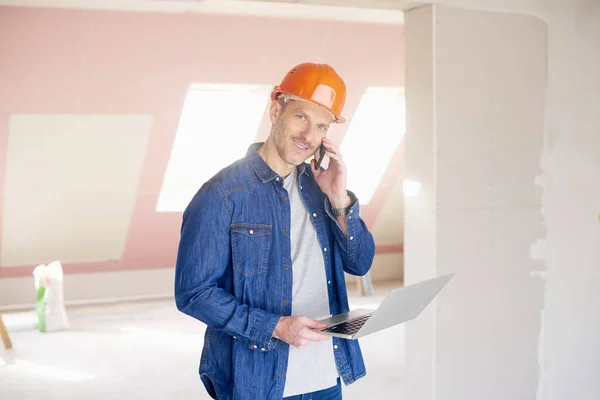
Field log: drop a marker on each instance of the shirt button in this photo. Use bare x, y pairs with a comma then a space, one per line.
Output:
277, 179
286, 302
351, 237
329, 282
251, 232
263, 349
281, 375
350, 217
335, 347
351, 211
287, 267
285, 231
314, 214
300, 187
235, 337
325, 249
284, 198
255, 346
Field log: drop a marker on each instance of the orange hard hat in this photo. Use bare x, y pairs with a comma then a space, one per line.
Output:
316, 83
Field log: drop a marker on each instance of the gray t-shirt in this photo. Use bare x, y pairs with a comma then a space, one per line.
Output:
312, 368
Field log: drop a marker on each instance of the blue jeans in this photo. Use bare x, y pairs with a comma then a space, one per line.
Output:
333, 393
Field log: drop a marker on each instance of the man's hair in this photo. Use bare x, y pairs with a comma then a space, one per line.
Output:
284, 101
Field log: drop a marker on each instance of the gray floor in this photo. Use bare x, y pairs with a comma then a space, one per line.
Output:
149, 350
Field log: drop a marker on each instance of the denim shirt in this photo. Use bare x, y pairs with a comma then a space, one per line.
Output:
234, 273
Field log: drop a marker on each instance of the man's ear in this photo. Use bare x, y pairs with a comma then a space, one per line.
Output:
275, 111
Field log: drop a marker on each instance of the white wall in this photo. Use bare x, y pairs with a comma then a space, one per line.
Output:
420, 252
475, 85
570, 345
471, 353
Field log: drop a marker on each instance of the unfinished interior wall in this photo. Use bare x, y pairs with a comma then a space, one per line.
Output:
420, 252
69, 76
570, 342
475, 85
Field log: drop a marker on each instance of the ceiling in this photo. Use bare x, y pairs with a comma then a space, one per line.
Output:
372, 11
368, 11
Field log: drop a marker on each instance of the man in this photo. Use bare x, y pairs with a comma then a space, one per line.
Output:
263, 250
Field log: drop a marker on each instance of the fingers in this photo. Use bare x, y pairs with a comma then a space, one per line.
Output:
312, 335
330, 145
314, 324
316, 172
334, 156
332, 150
313, 164
306, 334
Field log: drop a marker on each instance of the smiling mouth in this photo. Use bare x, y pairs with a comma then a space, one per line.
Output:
300, 146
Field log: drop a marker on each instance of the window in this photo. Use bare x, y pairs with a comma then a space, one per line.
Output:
372, 139
217, 123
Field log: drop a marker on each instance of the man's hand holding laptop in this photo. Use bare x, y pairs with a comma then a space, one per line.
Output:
299, 331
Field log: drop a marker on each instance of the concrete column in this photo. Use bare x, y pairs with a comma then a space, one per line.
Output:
475, 86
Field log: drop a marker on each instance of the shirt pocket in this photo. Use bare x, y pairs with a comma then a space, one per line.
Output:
250, 247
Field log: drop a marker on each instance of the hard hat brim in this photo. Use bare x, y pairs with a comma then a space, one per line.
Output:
277, 92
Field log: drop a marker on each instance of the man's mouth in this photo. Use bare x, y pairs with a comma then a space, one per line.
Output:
300, 145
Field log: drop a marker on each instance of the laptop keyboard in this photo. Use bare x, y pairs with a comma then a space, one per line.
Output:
349, 327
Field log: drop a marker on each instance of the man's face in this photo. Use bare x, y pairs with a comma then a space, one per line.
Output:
298, 129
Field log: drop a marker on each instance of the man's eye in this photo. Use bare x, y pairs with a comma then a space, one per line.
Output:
302, 117
323, 127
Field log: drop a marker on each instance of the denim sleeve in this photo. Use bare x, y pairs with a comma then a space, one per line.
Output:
203, 256
358, 246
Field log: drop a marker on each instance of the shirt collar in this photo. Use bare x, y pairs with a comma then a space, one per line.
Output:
262, 169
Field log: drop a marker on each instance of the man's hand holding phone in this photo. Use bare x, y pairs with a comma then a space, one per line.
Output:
319, 156
332, 181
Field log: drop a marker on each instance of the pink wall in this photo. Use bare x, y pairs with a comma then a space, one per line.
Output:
66, 61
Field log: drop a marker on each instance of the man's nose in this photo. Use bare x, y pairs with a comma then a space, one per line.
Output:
307, 134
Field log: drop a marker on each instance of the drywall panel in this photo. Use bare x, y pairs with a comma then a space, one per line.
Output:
489, 108
420, 211
488, 317
570, 338
490, 83
70, 188
480, 79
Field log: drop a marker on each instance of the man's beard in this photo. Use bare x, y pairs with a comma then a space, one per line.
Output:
280, 145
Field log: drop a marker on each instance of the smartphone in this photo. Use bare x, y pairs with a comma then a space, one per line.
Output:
320, 157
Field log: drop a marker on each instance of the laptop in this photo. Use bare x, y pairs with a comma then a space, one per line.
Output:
400, 305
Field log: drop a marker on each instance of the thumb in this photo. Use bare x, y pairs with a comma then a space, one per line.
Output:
311, 323
316, 172
313, 163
